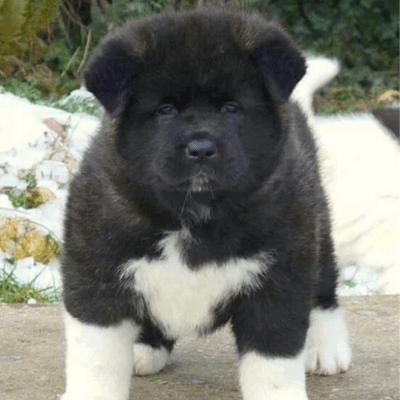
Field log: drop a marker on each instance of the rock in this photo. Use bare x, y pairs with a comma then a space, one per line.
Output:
8, 232
21, 240
34, 244
38, 196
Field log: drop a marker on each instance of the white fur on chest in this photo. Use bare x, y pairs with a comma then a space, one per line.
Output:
182, 300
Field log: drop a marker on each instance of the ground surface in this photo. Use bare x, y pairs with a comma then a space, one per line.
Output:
32, 345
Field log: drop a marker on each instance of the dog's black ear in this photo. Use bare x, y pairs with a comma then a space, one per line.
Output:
109, 73
281, 63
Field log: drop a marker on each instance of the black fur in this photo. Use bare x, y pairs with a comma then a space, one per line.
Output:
389, 116
226, 77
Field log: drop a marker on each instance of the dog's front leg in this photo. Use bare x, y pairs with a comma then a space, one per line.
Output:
99, 360
270, 338
266, 377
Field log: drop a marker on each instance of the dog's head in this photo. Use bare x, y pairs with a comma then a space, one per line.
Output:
197, 99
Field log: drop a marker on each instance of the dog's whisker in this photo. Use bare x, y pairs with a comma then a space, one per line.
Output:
185, 201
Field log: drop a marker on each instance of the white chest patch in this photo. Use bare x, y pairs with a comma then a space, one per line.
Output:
182, 300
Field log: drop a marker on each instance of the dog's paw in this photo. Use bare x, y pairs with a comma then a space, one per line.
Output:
263, 377
327, 347
279, 394
148, 360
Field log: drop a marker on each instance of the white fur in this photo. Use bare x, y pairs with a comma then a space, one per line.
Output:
148, 360
99, 360
360, 164
327, 345
360, 169
182, 300
272, 378
320, 70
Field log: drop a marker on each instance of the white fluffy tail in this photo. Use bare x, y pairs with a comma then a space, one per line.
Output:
320, 71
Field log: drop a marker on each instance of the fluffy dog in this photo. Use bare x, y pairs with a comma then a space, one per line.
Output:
359, 162
199, 202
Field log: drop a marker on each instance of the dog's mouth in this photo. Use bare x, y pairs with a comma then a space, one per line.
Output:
204, 182
197, 183
200, 182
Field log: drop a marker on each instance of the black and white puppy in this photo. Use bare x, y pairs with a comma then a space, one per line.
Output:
199, 202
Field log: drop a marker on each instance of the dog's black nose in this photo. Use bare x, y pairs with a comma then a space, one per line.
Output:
198, 149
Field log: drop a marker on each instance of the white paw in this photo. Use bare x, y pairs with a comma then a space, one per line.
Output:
65, 396
99, 360
286, 394
148, 360
272, 378
327, 346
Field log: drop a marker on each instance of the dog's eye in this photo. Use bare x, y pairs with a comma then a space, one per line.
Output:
230, 107
166, 109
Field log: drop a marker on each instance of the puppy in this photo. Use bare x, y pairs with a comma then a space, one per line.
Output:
199, 202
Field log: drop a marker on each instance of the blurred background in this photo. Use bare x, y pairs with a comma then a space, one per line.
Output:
45, 44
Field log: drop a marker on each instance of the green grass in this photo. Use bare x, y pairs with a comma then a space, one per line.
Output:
12, 292
30, 179
349, 283
57, 250
27, 89
21, 199
74, 105
18, 199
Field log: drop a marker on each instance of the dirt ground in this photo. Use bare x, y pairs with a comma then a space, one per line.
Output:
32, 347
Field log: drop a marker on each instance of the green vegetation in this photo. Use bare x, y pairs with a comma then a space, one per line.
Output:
362, 34
69, 49
22, 199
20, 21
53, 242
118, 12
27, 90
349, 283
75, 105
13, 292
30, 179
18, 199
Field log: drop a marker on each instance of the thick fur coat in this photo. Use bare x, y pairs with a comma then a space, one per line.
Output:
198, 203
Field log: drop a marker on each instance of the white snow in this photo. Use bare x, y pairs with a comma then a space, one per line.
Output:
27, 143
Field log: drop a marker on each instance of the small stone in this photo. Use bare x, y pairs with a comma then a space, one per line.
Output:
367, 313
10, 358
31, 302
